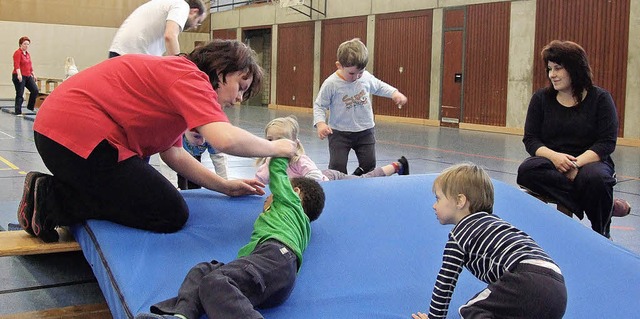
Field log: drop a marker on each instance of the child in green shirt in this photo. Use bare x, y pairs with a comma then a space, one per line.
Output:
264, 274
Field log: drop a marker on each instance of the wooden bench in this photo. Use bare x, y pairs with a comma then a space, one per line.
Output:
20, 243
92, 311
548, 200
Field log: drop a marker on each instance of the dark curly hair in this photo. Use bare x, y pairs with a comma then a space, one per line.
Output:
311, 196
222, 57
574, 59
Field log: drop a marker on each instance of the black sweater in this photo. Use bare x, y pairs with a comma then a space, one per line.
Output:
590, 125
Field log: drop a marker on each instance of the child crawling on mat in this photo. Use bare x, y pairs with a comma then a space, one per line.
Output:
523, 281
303, 166
265, 272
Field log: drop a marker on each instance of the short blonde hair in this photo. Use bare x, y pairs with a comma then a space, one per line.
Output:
353, 53
469, 180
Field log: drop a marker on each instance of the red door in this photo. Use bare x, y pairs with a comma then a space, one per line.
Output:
452, 79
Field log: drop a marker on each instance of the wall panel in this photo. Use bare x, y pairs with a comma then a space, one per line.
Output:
403, 59
294, 84
334, 32
225, 34
486, 64
601, 28
107, 13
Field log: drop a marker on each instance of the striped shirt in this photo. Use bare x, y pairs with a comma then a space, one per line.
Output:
486, 245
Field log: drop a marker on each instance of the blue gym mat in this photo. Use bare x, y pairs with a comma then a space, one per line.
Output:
375, 252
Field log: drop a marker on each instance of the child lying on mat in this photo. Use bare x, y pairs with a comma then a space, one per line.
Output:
303, 166
264, 274
524, 282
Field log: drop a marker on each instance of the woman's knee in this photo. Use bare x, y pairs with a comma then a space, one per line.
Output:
174, 217
595, 175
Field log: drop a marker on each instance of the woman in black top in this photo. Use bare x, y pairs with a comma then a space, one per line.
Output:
570, 132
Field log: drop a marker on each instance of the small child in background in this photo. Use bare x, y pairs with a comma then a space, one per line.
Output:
194, 143
264, 274
70, 68
524, 282
302, 165
346, 94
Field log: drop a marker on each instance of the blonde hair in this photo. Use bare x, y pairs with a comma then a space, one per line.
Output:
68, 62
289, 129
353, 53
469, 180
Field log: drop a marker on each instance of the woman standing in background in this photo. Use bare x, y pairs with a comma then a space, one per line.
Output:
23, 76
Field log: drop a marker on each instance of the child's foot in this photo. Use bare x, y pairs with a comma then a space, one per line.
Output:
404, 166
358, 172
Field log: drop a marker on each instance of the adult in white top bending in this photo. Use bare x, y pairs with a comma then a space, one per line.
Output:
153, 27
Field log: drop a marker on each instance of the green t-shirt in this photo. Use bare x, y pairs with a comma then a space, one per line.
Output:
284, 220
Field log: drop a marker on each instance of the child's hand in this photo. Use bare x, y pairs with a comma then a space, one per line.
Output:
286, 148
420, 315
324, 130
399, 99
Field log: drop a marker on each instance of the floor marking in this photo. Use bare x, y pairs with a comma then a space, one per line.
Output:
624, 228
9, 136
2, 159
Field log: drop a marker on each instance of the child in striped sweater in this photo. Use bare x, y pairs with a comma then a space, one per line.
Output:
523, 281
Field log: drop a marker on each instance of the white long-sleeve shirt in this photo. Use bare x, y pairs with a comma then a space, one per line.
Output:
349, 103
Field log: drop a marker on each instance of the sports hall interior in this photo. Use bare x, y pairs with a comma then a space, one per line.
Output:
468, 69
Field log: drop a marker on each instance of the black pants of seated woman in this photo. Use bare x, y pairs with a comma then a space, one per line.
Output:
590, 192
130, 192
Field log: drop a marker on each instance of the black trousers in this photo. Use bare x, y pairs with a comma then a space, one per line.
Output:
29, 83
526, 292
130, 192
363, 143
185, 184
591, 191
263, 279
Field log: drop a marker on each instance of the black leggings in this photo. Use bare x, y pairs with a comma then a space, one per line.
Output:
29, 83
130, 192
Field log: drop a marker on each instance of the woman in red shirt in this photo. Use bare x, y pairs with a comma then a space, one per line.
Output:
94, 131
23, 76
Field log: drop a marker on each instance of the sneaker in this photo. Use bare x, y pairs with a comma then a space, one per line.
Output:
358, 172
30, 109
41, 224
621, 208
25, 209
404, 170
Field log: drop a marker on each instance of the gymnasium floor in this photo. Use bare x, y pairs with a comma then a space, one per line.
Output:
58, 280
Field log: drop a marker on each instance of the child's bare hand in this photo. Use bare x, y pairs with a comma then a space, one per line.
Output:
324, 130
399, 99
419, 315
